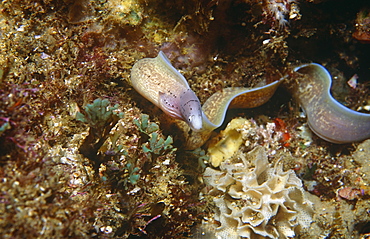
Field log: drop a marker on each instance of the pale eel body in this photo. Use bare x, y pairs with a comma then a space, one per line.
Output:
159, 82
326, 117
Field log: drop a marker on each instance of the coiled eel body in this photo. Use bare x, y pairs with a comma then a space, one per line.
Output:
159, 82
326, 117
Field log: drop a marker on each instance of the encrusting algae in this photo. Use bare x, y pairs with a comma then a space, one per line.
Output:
83, 155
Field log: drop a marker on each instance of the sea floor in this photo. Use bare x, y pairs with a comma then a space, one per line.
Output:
83, 155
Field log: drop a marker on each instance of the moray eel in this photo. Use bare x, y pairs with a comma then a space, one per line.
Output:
159, 82
326, 117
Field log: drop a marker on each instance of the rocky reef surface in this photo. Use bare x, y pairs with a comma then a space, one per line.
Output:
83, 155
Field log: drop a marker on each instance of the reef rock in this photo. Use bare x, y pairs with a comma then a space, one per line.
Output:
257, 200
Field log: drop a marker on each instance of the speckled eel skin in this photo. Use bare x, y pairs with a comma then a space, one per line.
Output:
159, 82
